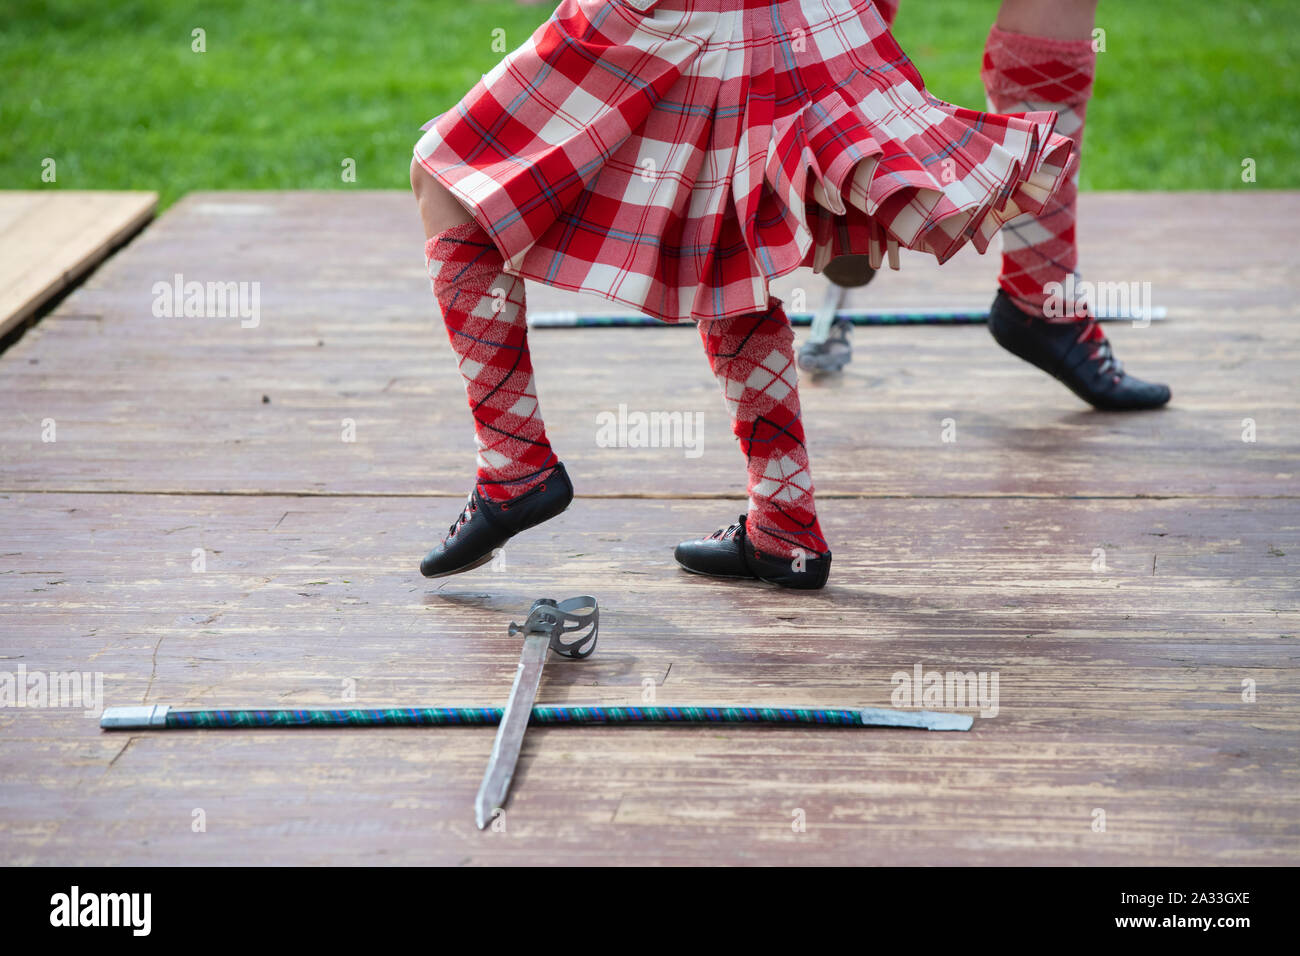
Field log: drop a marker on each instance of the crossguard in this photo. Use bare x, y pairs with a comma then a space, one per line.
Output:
577, 615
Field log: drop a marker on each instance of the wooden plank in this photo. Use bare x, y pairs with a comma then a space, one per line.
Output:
349, 330
49, 239
1119, 689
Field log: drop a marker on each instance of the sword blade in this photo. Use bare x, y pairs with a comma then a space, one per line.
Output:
510, 733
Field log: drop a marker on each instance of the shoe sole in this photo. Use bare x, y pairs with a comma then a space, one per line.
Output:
710, 574
479, 562
750, 577
468, 567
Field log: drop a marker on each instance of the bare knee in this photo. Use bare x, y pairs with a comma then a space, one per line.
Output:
439, 209
1058, 19
421, 180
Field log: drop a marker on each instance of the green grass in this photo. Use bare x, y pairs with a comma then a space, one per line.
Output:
286, 90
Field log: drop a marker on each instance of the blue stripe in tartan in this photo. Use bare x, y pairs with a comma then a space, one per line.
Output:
572, 223
624, 76
486, 341
687, 109
667, 250
951, 148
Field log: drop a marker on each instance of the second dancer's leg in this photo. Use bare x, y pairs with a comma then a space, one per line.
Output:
1039, 56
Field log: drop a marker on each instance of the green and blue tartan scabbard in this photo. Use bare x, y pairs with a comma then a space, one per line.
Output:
161, 717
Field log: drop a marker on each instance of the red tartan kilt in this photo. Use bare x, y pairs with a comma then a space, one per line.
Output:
678, 158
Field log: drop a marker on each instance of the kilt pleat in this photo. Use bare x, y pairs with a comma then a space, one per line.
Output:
675, 156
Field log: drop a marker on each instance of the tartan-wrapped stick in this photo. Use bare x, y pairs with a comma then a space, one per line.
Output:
162, 717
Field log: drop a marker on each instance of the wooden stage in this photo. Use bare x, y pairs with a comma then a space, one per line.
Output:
1120, 689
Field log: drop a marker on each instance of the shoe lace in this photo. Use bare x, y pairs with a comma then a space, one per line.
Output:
722, 534
1092, 332
469, 509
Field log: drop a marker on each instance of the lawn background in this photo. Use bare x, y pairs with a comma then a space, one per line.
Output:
286, 90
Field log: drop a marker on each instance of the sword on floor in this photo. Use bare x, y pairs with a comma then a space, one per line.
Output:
570, 628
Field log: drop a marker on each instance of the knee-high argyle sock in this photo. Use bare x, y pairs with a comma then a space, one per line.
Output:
1023, 73
484, 310
753, 359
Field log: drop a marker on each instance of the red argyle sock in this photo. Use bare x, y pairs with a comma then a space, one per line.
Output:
753, 359
484, 310
1023, 73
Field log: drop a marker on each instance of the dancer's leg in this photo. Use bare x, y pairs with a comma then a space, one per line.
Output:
439, 209
1039, 56
484, 310
1054, 19
752, 357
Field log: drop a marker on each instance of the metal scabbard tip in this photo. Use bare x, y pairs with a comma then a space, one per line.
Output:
133, 718
949, 721
484, 813
920, 719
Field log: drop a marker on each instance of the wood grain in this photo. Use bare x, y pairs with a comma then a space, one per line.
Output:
1120, 686
349, 330
49, 239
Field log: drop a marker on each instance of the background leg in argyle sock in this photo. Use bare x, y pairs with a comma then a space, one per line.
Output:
753, 359
484, 310
1023, 73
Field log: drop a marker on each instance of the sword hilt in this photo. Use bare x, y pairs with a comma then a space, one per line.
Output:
575, 616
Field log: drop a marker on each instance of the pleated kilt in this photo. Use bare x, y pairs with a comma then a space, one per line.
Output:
674, 156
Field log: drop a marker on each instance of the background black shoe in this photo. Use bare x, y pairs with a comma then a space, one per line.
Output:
851, 271
1077, 353
484, 525
728, 553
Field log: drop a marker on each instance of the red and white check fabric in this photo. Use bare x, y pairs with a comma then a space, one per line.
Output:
752, 357
485, 313
1024, 72
676, 155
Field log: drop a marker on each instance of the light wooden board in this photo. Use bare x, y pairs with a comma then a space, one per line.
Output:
1121, 688
51, 238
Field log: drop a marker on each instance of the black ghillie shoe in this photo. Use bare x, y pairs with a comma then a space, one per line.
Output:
1077, 353
728, 553
484, 526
